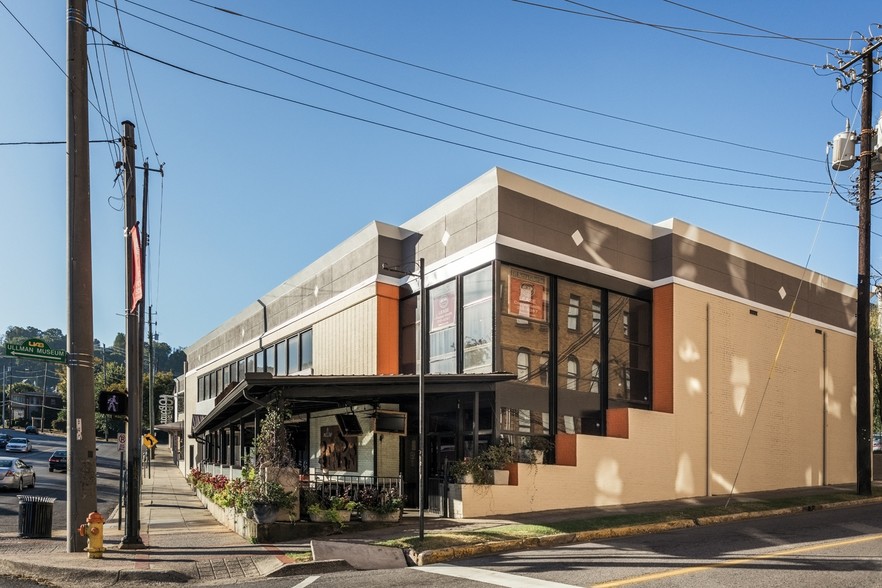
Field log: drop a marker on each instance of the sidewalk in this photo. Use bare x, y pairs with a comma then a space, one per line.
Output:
184, 543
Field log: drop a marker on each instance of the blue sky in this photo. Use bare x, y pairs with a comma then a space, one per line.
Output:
324, 116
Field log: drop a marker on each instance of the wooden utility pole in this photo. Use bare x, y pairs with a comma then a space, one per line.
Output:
81, 479
863, 410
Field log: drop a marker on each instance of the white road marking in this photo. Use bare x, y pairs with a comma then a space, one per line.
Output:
307, 582
490, 577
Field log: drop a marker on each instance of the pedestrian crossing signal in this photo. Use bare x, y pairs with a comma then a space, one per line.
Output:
113, 403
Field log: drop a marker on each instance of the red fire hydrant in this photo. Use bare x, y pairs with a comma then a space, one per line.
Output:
93, 531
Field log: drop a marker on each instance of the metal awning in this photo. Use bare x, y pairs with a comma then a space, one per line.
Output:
175, 427
311, 393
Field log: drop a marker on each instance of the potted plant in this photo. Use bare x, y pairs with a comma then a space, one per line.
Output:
494, 459
329, 507
533, 448
261, 499
380, 504
488, 467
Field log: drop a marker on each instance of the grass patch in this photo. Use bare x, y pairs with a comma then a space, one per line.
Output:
300, 556
521, 531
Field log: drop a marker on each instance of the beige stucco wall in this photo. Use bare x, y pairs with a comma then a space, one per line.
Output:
781, 415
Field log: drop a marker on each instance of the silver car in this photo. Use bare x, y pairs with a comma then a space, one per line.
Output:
19, 444
16, 474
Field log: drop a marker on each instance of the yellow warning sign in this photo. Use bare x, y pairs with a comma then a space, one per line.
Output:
149, 441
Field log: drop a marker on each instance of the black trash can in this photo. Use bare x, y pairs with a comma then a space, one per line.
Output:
35, 516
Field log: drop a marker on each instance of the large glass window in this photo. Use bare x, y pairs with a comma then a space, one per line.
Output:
579, 406
442, 329
477, 321
524, 340
282, 358
629, 348
270, 360
293, 355
306, 350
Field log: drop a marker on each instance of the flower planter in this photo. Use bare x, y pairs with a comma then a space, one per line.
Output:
500, 477
330, 516
371, 516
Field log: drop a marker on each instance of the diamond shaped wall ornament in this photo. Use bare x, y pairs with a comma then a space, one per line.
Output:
577, 238
445, 238
782, 292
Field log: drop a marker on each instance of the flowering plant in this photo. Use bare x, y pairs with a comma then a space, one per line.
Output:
380, 500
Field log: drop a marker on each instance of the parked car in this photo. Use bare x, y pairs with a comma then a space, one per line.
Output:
58, 460
31, 430
4, 439
877, 443
16, 474
19, 444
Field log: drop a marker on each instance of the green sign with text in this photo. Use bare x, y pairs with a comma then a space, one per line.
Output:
36, 349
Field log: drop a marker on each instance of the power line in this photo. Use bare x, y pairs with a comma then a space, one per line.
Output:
773, 34
457, 109
455, 143
55, 63
500, 88
682, 34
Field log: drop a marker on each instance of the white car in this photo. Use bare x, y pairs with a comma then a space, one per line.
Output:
19, 444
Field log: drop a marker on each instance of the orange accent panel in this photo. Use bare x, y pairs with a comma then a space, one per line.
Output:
512, 474
617, 423
663, 349
387, 329
565, 449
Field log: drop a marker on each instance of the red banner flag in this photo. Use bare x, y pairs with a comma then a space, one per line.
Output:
137, 279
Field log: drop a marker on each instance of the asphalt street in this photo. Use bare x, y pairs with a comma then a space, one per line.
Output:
54, 485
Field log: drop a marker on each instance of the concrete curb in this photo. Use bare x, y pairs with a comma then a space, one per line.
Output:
432, 556
87, 577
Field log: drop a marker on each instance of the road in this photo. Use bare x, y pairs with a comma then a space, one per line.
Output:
828, 548
54, 485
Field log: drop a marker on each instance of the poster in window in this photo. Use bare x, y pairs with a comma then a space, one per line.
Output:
526, 294
443, 306
338, 452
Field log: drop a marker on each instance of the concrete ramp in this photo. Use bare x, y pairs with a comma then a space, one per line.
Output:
359, 555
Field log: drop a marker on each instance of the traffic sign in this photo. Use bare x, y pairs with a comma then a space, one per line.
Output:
120, 442
149, 441
36, 349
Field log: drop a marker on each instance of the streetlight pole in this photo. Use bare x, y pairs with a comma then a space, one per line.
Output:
421, 402
424, 364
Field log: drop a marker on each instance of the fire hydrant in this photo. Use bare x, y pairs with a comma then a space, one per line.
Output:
93, 531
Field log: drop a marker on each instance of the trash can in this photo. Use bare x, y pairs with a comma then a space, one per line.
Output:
35, 516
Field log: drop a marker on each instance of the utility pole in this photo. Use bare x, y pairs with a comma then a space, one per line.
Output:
81, 480
864, 410
134, 348
843, 158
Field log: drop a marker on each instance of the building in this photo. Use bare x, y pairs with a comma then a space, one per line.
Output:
662, 360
